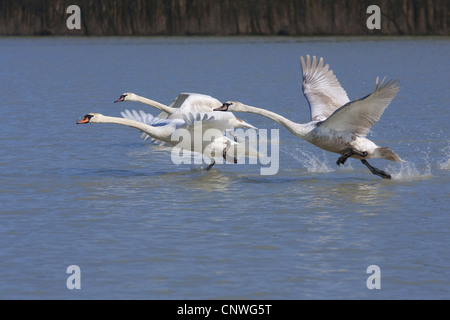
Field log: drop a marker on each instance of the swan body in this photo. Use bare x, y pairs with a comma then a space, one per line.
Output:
337, 124
166, 130
188, 103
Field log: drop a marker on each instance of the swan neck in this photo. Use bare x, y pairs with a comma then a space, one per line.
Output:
154, 132
295, 128
156, 104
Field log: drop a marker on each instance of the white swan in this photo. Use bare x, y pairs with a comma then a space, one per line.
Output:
164, 129
187, 103
337, 125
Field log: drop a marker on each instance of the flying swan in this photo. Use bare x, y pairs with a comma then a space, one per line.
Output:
217, 145
337, 125
187, 103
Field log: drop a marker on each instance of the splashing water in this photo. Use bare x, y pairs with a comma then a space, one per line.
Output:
409, 171
312, 163
445, 165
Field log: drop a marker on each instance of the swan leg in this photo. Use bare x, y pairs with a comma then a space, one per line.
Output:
210, 165
225, 156
376, 171
348, 153
344, 157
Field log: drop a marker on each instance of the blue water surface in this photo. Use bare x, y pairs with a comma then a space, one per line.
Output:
140, 227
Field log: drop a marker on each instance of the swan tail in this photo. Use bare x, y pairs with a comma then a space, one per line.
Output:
386, 153
243, 124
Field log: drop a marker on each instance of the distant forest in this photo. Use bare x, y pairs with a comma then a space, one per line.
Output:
224, 17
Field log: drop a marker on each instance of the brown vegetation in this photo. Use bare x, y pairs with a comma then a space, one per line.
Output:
224, 17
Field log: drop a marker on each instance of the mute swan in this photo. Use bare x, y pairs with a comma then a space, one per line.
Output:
164, 129
337, 125
185, 103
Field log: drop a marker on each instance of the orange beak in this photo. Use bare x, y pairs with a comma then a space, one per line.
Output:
85, 120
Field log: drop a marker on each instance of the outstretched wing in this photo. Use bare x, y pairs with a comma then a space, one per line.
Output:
176, 103
191, 102
321, 88
204, 121
147, 118
196, 102
179, 100
360, 115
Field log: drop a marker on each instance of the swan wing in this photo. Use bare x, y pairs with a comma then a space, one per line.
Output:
195, 102
146, 118
207, 120
321, 88
141, 116
201, 103
360, 115
178, 101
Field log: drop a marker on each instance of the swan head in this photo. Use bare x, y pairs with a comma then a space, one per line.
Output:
230, 106
91, 118
126, 96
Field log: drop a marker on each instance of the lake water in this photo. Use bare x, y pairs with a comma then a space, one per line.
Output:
140, 227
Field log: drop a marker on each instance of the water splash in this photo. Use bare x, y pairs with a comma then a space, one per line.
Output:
445, 164
410, 171
311, 162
